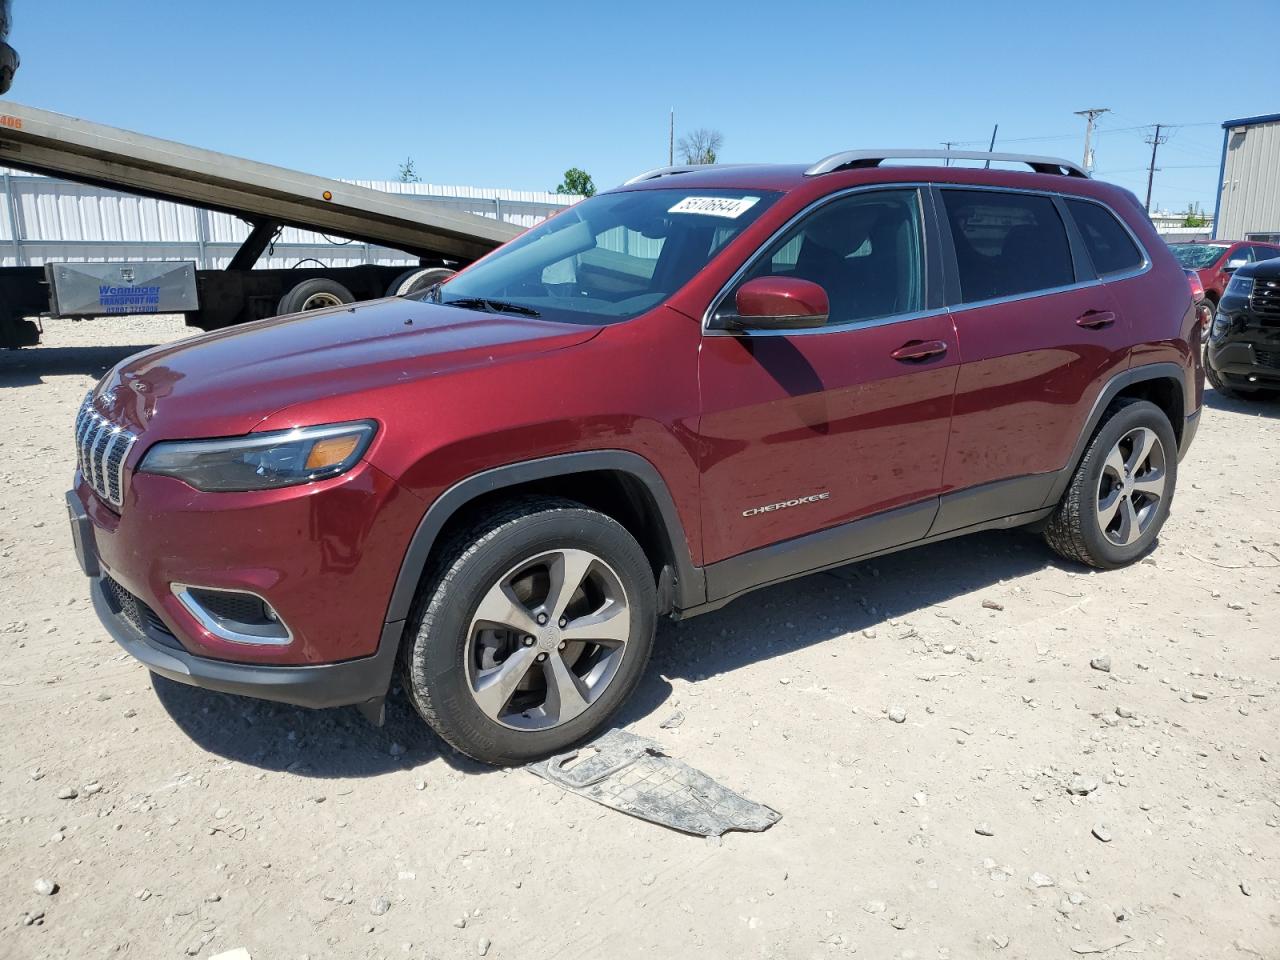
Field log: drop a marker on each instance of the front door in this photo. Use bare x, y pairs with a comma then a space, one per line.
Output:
804, 431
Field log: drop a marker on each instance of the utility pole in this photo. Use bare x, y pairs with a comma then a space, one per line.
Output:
1091, 115
1155, 140
947, 145
992, 148
671, 140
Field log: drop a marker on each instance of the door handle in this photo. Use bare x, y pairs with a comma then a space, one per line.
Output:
917, 350
1096, 319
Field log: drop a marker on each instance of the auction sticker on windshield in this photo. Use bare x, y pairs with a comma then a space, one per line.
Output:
731, 207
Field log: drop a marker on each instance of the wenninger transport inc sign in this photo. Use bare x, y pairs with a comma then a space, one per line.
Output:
95, 289
128, 299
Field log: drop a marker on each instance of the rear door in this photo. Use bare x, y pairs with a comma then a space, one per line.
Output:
809, 429
1038, 333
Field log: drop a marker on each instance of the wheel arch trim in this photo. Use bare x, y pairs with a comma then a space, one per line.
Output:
1144, 373
690, 580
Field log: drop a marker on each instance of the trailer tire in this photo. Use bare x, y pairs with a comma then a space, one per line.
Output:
417, 280
314, 294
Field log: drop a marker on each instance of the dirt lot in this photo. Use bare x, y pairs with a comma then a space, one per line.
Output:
204, 822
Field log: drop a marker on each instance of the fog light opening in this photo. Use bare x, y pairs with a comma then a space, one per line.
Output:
237, 616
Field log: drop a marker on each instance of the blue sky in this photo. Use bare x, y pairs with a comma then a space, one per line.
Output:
510, 94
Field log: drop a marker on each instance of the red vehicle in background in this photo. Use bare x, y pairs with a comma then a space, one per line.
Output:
1215, 261
1204, 306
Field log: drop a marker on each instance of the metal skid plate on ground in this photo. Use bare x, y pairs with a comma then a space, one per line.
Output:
632, 774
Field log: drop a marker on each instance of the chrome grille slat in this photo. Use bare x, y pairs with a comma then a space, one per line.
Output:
109, 468
102, 447
82, 428
1265, 298
97, 451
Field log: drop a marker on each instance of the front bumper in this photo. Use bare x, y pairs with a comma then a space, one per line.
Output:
324, 556
152, 639
1246, 362
325, 685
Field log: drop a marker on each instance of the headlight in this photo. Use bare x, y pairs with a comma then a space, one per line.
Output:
262, 461
1220, 323
1239, 287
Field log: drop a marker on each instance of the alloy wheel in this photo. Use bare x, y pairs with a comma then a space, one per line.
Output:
546, 639
1131, 486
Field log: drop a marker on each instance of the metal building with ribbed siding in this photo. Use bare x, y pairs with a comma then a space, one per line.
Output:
1248, 205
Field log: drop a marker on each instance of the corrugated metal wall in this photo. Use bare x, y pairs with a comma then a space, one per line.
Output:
46, 219
1250, 182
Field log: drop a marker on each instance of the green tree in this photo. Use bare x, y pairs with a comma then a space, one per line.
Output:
577, 181
408, 172
1194, 217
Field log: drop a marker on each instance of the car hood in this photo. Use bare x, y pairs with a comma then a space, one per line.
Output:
227, 382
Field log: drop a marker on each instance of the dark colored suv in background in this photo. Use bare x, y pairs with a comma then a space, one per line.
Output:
706, 381
1242, 358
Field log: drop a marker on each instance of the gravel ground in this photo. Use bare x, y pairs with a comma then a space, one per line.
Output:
956, 780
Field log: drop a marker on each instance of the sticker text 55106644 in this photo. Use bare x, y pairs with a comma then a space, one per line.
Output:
731, 207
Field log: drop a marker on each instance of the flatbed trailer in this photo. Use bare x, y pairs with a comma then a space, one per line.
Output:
267, 197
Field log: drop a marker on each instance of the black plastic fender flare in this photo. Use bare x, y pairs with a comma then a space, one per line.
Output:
690, 583
1162, 370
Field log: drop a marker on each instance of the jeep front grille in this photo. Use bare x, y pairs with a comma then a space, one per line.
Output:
101, 449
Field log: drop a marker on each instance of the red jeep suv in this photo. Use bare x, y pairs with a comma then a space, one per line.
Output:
703, 382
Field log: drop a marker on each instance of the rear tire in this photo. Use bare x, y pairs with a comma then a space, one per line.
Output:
509, 661
318, 294
417, 280
1120, 494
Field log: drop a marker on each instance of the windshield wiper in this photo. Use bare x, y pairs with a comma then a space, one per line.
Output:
490, 305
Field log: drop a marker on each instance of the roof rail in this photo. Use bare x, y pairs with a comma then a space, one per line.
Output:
856, 159
657, 172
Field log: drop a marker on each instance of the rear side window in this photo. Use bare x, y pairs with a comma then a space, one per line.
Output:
1007, 244
1108, 242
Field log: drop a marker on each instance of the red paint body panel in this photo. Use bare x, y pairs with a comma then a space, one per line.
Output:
1028, 371
730, 423
325, 555
793, 416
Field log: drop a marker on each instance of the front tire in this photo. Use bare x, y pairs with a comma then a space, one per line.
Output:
1120, 494
533, 628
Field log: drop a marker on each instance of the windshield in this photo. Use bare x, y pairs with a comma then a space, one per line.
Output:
1196, 256
608, 258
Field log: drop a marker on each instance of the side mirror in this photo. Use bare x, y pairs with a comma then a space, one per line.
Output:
1235, 264
781, 303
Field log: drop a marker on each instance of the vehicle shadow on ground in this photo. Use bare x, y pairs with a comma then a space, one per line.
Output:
1264, 408
780, 620
23, 368
765, 625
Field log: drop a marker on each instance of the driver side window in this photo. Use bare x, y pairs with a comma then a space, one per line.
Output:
1239, 253
865, 250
